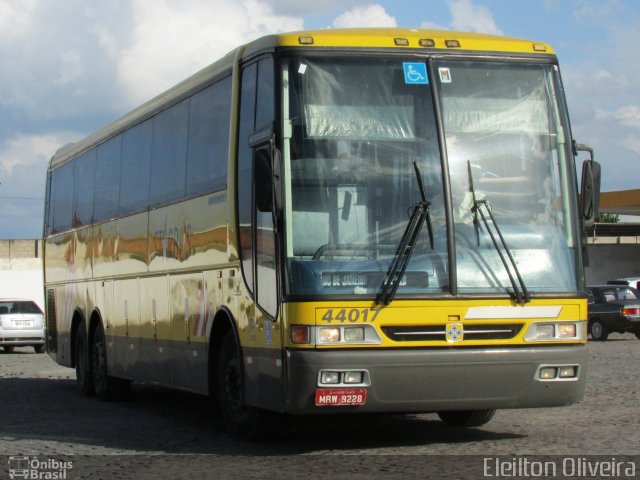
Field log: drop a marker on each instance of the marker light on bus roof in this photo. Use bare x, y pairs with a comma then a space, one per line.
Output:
401, 42
452, 43
305, 40
539, 47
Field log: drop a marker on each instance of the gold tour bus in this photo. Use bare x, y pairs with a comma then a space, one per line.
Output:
369, 220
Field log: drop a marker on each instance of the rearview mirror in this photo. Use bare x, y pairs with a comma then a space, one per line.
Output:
589, 187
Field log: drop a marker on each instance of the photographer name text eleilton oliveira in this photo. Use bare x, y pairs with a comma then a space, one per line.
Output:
578, 467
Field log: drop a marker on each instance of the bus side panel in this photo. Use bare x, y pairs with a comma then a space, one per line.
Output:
59, 265
155, 330
125, 327
131, 247
189, 235
189, 307
104, 249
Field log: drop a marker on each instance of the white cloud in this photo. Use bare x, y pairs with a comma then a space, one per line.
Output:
15, 17
30, 150
172, 39
470, 17
365, 16
433, 26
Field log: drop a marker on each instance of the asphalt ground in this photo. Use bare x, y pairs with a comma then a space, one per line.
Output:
48, 430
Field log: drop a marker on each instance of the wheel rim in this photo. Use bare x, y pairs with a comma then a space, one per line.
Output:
99, 360
596, 330
233, 397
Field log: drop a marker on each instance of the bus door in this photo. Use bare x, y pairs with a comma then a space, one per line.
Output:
260, 331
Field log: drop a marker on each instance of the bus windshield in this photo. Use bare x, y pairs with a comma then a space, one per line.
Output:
360, 130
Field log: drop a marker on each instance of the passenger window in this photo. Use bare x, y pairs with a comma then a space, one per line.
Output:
136, 168
63, 198
84, 173
107, 180
209, 138
169, 154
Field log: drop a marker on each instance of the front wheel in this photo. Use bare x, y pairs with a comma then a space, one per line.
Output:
106, 386
637, 332
38, 348
598, 330
466, 418
8, 348
240, 420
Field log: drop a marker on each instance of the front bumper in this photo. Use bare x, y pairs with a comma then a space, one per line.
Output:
428, 380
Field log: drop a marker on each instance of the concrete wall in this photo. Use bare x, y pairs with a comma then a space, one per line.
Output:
21, 270
608, 261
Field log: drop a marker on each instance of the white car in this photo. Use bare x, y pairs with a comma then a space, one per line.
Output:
21, 324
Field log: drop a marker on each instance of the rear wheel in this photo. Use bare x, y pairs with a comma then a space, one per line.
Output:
8, 348
466, 418
598, 330
84, 380
106, 386
38, 348
240, 420
637, 332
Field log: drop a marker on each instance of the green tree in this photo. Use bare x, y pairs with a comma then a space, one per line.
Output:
607, 218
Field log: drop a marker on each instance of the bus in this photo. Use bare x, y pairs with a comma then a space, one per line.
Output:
331, 221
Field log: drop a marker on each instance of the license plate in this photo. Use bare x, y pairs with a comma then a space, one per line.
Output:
22, 323
340, 397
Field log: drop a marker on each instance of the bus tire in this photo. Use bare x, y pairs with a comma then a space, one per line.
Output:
240, 420
107, 387
84, 378
466, 418
38, 348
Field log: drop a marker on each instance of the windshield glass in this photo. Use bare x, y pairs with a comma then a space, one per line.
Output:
358, 131
504, 135
354, 129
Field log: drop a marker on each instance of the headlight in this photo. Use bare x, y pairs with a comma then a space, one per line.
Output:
556, 331
328, 335
361, 334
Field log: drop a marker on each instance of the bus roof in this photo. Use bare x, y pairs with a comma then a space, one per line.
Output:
400, 38
371, 38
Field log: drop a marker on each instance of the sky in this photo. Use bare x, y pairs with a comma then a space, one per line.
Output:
70, 67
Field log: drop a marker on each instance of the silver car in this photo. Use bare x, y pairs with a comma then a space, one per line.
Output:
21, 324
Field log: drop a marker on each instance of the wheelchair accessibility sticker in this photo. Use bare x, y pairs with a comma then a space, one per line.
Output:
415, 73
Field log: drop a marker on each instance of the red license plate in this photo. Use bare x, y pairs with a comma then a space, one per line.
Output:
340, 397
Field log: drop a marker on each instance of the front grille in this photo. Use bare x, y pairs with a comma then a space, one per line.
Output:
435, 333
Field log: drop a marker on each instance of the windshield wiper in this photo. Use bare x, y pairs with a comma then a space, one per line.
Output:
419, 215
483, 208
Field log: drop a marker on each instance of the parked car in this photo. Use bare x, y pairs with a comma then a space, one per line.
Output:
613, 308
629, 281
21, 324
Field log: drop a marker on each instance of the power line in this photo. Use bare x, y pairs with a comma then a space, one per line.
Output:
21, 198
